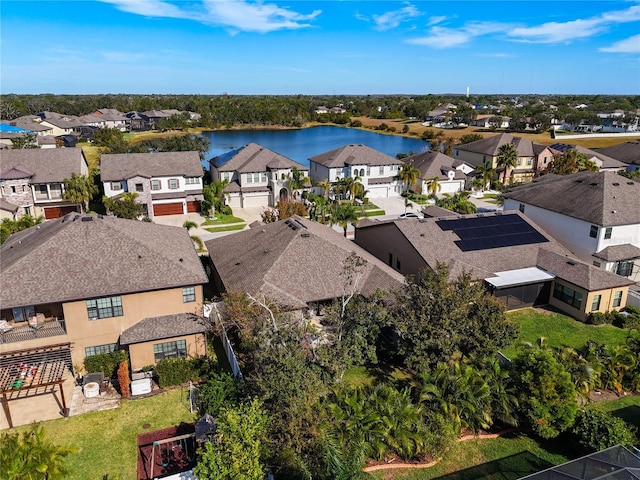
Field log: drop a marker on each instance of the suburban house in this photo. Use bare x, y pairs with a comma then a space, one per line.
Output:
378, 172
167, 183
257, 176
596, 215
602, 161
110, 277
106, 118
515, 259
491, 121
266, 260
532, 158
450, 174
628, 152
33, 181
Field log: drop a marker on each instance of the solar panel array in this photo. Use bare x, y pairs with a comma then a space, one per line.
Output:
484, 233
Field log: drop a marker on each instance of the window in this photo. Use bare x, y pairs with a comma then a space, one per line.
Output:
607, 233
521, 208
624, 269
529, 162
188, 294
593, 233
397, 263
170, 350
225, 176
156, 184
27, 210
139, 187
368, 171
100, 349
22, 314
263, 177
43, 189
116, 185
173, 183
595, 304
13, 189
597, 264
617, 298
104, 307
192, 180
381, 170
567, 295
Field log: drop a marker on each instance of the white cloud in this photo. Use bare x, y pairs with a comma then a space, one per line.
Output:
237, 15
436, 20
444, 37
628, 45
392, 19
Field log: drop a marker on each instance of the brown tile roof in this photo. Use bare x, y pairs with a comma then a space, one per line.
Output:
165, 326
15, 173
578, 273
491, 145
615, 253
628, 152
602, 198
253, 158
354, 155
122, 166
47, 164
435, 245
294, 262
85, 256
435, 164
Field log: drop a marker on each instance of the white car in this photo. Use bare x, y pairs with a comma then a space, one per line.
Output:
411, 215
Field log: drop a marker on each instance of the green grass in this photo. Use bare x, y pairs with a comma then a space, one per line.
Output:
504, 458
373, 213
627, 408
560, 331
222, 220
228, 228
107, 441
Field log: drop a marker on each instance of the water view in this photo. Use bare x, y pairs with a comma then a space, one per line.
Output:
303, 143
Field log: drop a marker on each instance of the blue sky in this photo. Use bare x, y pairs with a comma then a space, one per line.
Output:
310, 47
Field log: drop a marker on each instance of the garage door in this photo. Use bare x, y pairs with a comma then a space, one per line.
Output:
167, 209
57, 212
193, 207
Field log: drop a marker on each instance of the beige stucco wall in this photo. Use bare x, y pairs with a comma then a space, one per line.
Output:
587, 300
141, 354
86, 333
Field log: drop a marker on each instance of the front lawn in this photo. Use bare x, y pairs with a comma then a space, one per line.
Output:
560, 331
107, 440
221, 219
228, 228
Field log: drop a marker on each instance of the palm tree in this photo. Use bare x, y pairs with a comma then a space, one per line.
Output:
507, 158
433, 185
188, 224
326, 187
351, 186
215, 194
297, 180
409, 174
343, 215
485, 174
79, 189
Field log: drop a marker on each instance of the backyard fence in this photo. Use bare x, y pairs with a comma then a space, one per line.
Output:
212, 312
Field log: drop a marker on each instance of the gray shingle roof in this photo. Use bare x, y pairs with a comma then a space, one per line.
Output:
47, 164
72, 259
628, 152
354, 155
607, 161
602, 198
581, 274
435, 164
294, 266
7, 206
253, 158
615, 253
491, 145
123, 166
165, 326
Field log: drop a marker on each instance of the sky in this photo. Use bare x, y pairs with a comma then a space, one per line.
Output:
287, 47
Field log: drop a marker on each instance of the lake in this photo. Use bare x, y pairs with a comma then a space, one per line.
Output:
300, 144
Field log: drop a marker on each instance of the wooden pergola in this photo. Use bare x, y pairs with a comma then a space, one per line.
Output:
34, 371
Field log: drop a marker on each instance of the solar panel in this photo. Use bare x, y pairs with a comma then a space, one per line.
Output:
484, 233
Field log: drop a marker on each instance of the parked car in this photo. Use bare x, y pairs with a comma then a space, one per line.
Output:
411, 215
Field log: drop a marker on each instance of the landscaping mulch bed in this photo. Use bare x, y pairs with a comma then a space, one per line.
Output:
168, 458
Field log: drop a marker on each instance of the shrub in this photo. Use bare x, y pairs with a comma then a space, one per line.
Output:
598, 430
176, 371
597, 318
105, 362
123, 378
221, 390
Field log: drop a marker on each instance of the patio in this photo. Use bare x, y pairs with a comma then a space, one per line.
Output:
20, 332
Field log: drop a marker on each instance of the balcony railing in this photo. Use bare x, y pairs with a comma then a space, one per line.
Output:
22, 332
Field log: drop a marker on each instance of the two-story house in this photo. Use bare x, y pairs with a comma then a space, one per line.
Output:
33, 180
167, 183
602, 161
86, 284
596, 215
378, 171
532, 158
449, 173
257, 176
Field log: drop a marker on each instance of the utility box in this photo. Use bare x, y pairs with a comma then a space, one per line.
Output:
141, 386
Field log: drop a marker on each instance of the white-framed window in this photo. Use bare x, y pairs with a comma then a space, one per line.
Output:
169, 350
617, 298
607, 233
192, 180
595, 304
99, 349
529, 162
156, 184
104, 307
188, 294
225, 176
174, 183
116, 186
381, 170
263, 177
139, 187
43, 189
368, 171
593, 231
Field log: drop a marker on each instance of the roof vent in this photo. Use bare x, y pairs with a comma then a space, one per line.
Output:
615, 184
305, 235
579, 181
181, 260
631, 183
87, 219
570, 262
422, 234
594, 184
